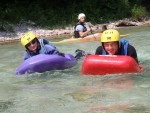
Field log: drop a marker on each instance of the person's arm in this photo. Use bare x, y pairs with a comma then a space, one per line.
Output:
26, 56
82, 34
132, 52
51, 49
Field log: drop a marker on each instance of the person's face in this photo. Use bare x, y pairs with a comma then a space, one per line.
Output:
82, 19
32, 46
111, 47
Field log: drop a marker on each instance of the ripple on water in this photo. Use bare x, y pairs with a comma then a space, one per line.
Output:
67, 91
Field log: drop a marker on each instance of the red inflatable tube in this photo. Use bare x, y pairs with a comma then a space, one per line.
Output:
109, 64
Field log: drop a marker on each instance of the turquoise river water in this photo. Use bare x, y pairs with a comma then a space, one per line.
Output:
68, 91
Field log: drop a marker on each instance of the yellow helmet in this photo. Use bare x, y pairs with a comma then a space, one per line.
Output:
27, 38
110, 35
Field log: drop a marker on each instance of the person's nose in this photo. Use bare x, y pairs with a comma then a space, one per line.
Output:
32, 45
110, 47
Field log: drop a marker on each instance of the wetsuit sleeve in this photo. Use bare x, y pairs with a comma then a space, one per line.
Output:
132, 52
45, 41
99, 51
51, 49
26, 56
79, 28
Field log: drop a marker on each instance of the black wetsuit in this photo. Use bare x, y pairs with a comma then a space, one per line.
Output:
130, 52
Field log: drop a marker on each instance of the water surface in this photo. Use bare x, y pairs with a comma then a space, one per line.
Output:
69, 92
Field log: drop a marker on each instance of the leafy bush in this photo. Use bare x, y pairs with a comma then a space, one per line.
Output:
61, 13
138, 12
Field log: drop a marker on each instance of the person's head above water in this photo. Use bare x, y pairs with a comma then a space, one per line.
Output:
81, 17
104, 27
110, 40
30, 41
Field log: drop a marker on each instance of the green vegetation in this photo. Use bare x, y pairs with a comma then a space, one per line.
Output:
61, 13
138, 12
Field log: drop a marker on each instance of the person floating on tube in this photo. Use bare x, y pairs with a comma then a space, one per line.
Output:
113, 45
35, 46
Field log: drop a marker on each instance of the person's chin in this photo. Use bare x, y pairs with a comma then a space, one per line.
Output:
111, 53
34, 49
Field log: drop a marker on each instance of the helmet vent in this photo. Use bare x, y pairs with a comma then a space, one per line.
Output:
108, 38
28, 38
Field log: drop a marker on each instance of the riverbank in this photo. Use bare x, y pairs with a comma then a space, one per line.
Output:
18, 30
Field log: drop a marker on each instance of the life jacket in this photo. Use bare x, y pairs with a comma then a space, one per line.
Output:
76, 33
123, 47
43, 48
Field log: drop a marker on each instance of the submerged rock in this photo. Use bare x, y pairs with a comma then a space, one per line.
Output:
80, 96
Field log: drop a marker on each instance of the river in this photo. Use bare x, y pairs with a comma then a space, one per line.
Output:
68, 91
